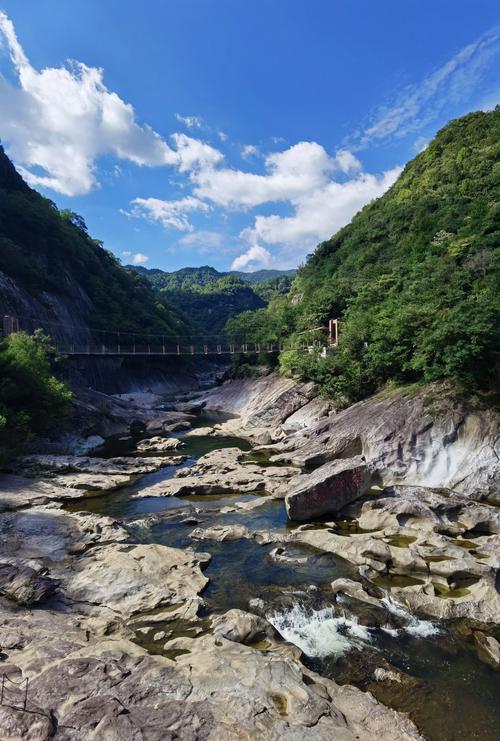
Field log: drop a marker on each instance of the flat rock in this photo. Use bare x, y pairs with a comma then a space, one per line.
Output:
51, 534
106, 466
202, 432
270, 695
328, 489
133, 579
220, 472
220, 533
17, 492
16, 723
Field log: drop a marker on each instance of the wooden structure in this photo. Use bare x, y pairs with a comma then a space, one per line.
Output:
10, 324
333, 332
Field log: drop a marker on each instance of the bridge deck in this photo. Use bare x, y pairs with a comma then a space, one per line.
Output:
145, 353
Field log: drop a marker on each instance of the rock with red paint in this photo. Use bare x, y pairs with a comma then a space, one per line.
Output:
328, 489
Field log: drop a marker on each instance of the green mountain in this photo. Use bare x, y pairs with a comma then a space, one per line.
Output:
53, 274
414, 277
210, 298
186, 278
261, 276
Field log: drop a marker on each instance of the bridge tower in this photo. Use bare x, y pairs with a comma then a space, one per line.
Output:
10, 324
333, 332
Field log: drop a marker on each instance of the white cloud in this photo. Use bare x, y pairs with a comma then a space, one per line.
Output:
222, 136
192, 122
296, 170
452, 83
249, 150
293, 172
62, 120
170, 214
255, 256
203, 241
137, 258
347, 162
193, 154
319, 213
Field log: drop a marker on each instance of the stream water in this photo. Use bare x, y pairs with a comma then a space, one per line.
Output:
449, 693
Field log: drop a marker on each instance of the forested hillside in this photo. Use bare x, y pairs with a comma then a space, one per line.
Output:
52, 260
414, 277
210, 298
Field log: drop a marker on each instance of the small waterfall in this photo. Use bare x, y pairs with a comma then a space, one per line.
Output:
414, 626
326, 632
320, 633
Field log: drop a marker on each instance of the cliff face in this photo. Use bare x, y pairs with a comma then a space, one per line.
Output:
65, 317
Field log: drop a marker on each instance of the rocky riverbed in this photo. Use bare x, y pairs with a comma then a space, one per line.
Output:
152, 585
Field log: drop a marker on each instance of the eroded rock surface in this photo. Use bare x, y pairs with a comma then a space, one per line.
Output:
223, 471
105, 466
427, 438
82, 648
24, 582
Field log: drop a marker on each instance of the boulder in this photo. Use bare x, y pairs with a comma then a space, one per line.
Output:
488, 649
159, 444
328, 489
241, 627
24, 582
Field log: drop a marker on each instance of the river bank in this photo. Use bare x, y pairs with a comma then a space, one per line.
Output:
158, 583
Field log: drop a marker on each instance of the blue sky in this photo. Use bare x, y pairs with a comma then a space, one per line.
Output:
228, 132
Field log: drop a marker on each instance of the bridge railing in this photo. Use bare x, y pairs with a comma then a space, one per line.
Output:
115, 342
172, 349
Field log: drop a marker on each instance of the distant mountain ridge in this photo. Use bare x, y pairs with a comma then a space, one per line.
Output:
206, 274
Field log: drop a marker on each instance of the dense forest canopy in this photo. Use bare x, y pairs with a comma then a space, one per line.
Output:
414, 277
209, 298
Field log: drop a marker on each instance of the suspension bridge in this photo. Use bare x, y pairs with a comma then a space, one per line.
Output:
119, 343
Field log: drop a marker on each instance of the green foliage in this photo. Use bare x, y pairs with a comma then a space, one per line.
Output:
32, 399
414, 277
273, 287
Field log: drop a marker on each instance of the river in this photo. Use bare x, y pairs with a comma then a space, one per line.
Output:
448, 692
